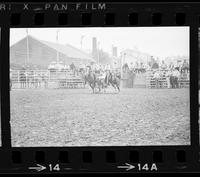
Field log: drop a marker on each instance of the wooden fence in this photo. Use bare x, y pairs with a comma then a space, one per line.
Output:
183, 81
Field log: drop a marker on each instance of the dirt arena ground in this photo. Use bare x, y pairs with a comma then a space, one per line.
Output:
76, 117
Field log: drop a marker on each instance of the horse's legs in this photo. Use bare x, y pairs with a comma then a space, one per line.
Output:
113, 85
118, 87
92, 87
104, 88
99, 88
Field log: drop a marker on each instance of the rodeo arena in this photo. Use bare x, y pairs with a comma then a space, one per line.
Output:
64, 96
25, 74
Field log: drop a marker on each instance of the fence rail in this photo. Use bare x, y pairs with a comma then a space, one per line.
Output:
46, 79
183, 81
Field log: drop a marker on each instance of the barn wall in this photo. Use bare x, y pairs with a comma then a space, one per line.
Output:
39, 54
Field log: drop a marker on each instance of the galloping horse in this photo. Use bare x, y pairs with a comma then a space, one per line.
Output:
98, 82
114, 80
90, 78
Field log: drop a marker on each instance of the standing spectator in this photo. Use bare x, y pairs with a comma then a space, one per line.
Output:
176, 76
125, 67
156, 76
168, 75
72, 67
132, 77
107, 67
93, 66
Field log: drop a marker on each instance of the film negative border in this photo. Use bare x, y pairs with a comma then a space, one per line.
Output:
98, 159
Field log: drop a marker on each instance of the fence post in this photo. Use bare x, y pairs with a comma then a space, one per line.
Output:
18, 76
49, 76
34, 77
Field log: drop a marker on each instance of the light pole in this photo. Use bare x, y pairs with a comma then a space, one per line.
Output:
121, 62
27, 46
57, 53
98, 52
82, 36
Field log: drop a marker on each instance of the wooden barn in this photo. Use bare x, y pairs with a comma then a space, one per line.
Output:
34, 52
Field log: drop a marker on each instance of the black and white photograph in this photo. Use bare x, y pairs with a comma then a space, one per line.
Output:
0, 103
99, 86
199, 78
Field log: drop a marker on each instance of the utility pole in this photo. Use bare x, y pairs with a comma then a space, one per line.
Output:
82, 36
57, 53
82, 41
123, 55
27, 46
98, 52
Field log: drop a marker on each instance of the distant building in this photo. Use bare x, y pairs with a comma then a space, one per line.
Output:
115, 59
42, 53
114, 51
133, 56
175, 59
95, 52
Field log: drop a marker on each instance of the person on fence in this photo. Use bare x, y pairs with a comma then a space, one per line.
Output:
142, 68
185, 67
170, 66
155, 65
131, 66
163, 66
136, 67
156, 77
178, 65
81, 67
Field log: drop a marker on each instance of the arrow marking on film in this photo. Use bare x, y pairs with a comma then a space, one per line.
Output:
127, 166
37, 9
67, 168
38, 168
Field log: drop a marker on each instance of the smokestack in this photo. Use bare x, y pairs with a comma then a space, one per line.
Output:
114, 51
94, 46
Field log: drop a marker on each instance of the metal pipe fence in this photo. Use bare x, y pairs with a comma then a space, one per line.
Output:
45, 79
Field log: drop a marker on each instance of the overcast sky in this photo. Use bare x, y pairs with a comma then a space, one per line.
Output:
157, 41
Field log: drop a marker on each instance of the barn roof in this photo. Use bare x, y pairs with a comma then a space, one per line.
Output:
67, 49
